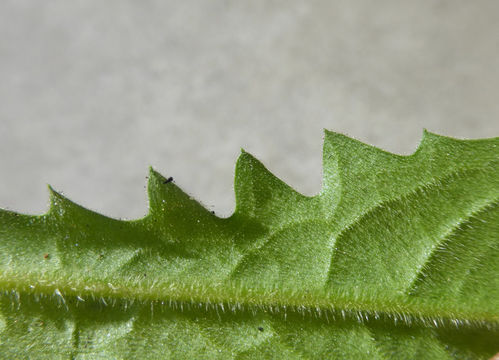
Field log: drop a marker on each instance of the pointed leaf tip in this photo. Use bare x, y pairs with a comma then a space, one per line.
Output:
427, 138
244, 157
256, 187
156, 190
55, 197
427, 134
431, 140
336, 146
328, 132
247, 171
58, 203
337, 142
167, 199
154, 175
156, 182
246, 166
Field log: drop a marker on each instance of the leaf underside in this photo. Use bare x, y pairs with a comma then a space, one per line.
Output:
395, 258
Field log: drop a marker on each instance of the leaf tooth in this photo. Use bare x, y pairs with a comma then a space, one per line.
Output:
451, 153
338, 147
429, 136
166, 199
59, 204
342, 147
243, 183
444, 144
347, 165
430, 141
61, 207
256, 188
331, 180
345, 158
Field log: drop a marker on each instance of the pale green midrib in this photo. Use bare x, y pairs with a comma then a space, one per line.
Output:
237, 298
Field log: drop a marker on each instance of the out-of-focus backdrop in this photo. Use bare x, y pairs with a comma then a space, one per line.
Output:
93, 92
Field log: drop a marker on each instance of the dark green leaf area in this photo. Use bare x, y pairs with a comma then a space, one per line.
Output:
395, 258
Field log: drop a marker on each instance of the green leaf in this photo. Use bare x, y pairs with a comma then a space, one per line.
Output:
396, 258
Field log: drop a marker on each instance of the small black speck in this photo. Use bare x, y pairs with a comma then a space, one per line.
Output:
213, 212
260, 328
166, 181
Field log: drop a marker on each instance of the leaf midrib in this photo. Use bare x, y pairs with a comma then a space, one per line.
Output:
233, 298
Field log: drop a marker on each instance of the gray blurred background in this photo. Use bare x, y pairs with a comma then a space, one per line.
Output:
93, 92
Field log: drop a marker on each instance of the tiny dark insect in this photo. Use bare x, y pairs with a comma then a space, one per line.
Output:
213, 212
45, 256
260, 328
166, 181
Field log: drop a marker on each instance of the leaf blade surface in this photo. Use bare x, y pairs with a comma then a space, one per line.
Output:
394, 258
